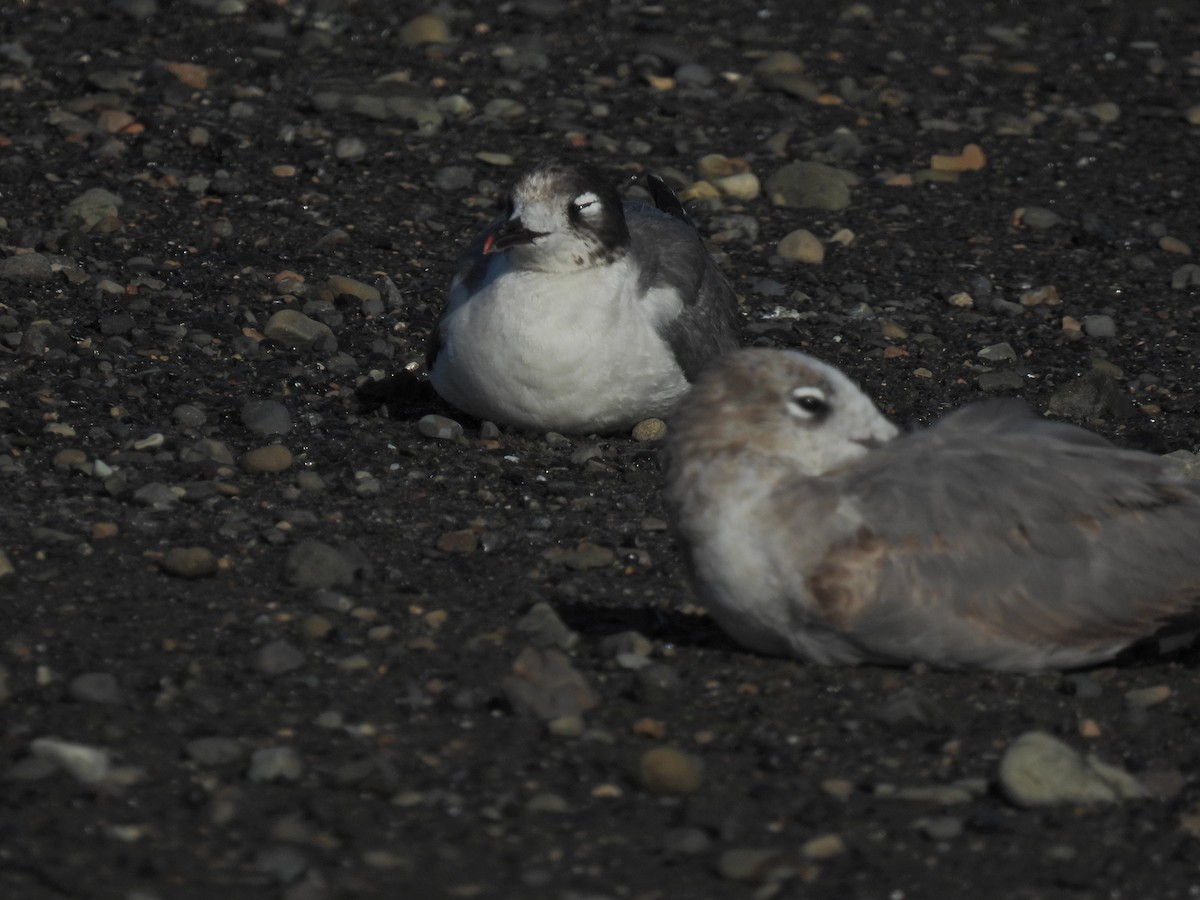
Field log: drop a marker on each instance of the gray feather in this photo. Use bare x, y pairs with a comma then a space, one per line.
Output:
1010, 541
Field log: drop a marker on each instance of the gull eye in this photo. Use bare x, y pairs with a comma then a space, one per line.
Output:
808, 402
586, 201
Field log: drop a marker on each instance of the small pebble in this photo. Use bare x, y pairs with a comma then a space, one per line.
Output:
266, 417
275, 764
272, 458
214, 751
665, 770
440, 427
649, 430
1144, 698
278, 657
425, 29
85, 763
1099, 326
190, 562
1174, 245
802, 246
95, 687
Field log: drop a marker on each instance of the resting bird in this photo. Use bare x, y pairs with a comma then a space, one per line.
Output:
577, 313
993, 540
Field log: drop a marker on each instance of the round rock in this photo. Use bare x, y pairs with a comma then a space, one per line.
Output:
665, 770
266, 417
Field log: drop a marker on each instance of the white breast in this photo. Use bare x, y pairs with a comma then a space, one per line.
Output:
574, 352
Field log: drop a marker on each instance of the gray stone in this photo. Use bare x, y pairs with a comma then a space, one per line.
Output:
545, 685
1099, 326
85, 763
313, 564
266, 417
545, 628
278, 657
41, 337
284, 863
191, 416
1007, 380
94, 211
214, 751
275, 764
1090, 396
1186, 276
350, 149
940, 828
453, 178
440, 427
810, 185
293, 328
1003, 352
95, 687
1040, 218
29, 267
157, 495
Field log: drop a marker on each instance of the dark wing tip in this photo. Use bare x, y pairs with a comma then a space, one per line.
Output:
665, 200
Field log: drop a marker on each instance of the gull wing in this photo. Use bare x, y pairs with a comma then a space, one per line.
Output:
997, 540
670, 253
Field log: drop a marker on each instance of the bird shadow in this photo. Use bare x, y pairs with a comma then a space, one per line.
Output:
667, 626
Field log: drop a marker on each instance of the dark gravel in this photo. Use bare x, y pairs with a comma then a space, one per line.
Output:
262, 634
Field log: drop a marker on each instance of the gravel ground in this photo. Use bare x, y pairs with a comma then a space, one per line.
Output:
266, 633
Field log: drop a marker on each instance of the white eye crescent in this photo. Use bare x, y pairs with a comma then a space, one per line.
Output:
587, 200
808, 402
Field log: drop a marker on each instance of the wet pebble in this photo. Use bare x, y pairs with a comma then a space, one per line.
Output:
190, 562
1144, 698
545, 629
666, 770
811, 185
940, 828
278, 657
313, 564
440, 428
425, 29
83, 762
545, 685
157, 495
94, 211
341, 286
95, 687
686, 841
649, 430
266, 417
656, 683
453, 178
189, 416
1037, 217
268, 459
294, 329
1185, 277
28, 267
802, 246
214, 751
1099, 326
275, 764
466, 541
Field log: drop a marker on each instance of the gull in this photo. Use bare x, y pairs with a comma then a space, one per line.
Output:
575, 312
994, 539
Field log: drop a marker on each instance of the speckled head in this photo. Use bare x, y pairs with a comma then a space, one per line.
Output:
780, 404
562, 216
